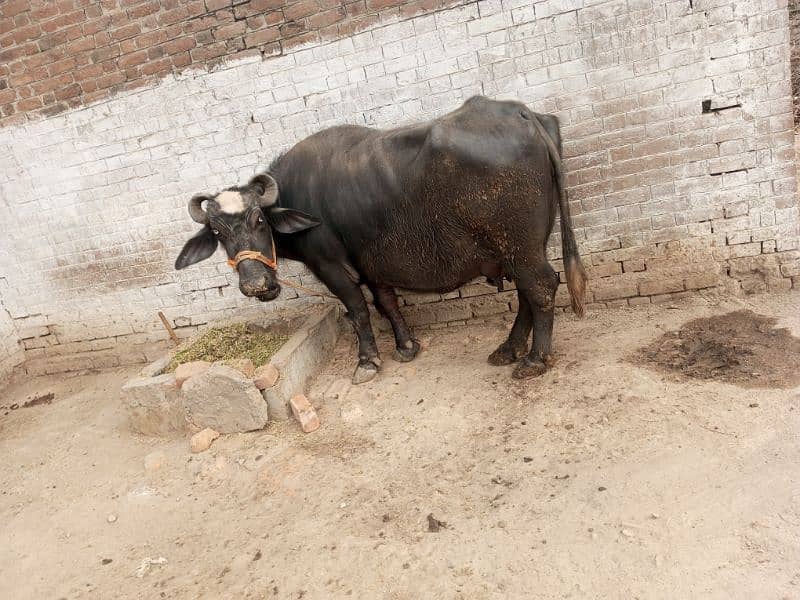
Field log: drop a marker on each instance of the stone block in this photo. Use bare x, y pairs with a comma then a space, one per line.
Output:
154, 405
223, 399
156, 367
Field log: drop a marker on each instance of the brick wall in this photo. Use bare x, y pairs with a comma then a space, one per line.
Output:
794, 34
60, 54
678, 139
11, 351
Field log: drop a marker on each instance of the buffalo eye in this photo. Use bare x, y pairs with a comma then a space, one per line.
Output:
260, 219
215, 231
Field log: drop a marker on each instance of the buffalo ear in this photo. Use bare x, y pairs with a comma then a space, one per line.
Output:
289, 220
198, 248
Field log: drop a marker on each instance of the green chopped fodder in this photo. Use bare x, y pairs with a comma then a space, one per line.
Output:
239, 340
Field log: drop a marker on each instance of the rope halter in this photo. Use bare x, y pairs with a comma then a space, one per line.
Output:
271, 263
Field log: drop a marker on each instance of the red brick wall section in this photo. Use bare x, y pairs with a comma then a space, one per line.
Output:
58, 54
794, 32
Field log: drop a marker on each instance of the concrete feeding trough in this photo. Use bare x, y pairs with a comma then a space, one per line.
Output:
233, 395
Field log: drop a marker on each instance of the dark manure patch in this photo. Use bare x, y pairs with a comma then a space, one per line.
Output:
741, 348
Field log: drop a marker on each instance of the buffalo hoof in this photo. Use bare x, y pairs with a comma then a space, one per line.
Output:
506, 354
406, 354
529, 368
365, 372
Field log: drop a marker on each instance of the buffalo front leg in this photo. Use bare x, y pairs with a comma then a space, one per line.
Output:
540, 292
341, 284
406, 347
517, 343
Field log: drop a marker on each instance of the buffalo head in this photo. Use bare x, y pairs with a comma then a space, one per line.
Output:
242, 219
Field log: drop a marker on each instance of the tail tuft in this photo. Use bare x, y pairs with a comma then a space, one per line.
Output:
576, 282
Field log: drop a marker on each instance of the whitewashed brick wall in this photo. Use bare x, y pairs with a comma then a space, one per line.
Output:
11, 353
667, 196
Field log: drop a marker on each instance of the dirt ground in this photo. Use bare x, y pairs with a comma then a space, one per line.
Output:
603, 479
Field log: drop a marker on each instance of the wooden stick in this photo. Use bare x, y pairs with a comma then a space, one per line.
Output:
168, 327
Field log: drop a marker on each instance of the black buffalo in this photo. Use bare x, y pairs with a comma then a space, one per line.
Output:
426, 207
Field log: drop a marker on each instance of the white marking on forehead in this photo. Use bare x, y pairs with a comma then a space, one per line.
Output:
230, 202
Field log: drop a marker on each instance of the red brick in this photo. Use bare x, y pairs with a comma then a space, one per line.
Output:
304, 413
208, 52
127, 46
96, 25
52, 83
173, 16
382, 4
68, 92
79, 46
212, 5
355, 9
262, 37
184, 59
293, 28
65, 20
110, 79
348, 28
266, 5
61, 66
74, 32
24, 34
11, 8
151, 38
88, 72
229, 31
29, 104
155, 52
45, 11
300, 9
162, 66
301, 40
92, 11
266, 376
125, 32
102, 39
179, 45
419, 7
103, 54
28, 76
141, 10
131, 60
52, 40
7, 96
326, 18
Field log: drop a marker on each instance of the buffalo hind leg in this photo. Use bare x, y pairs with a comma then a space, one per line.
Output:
516, 345
406, 347
540, 291
339, 282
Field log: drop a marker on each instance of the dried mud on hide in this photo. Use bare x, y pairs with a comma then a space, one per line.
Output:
741, 347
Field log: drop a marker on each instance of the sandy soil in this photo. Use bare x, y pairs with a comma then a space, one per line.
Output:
603, 479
